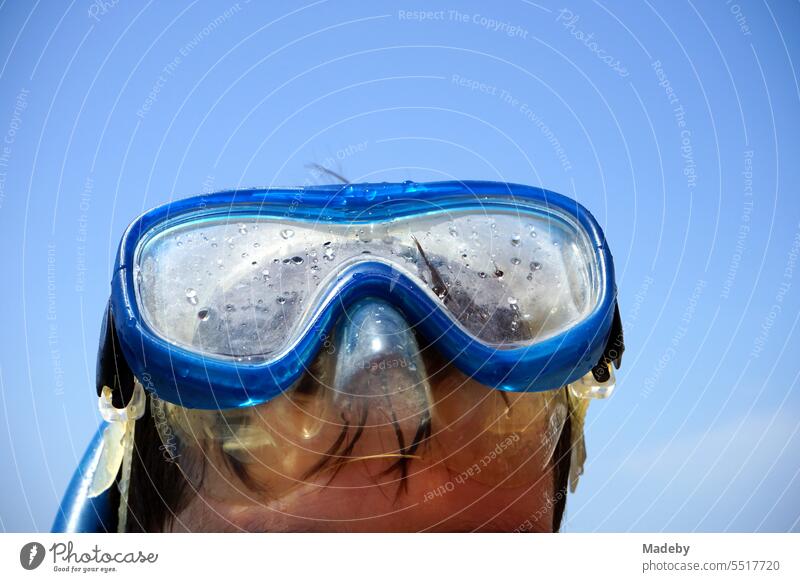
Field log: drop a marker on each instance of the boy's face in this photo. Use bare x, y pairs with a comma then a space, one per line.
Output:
296, 356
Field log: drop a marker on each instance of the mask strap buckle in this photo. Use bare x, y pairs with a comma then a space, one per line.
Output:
117, 451
615, 346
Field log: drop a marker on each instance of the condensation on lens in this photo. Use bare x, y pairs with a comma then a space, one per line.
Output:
468, 263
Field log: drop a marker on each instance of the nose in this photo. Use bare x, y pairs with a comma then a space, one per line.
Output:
379, 378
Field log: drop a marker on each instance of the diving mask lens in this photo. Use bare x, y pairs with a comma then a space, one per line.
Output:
246, 286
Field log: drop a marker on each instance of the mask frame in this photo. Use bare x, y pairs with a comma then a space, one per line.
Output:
194, 380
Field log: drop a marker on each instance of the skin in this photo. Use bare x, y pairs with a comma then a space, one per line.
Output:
456, 481
357, 505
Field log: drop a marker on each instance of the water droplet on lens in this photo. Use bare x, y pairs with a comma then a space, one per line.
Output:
203, 315
536, 266
328, 255
281, 300
287, 233
512, 300
452, 230
515, 261
242, 229
191, 296
516, 240
482, 275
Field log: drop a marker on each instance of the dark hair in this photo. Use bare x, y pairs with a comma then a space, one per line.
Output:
158, 488
562, 462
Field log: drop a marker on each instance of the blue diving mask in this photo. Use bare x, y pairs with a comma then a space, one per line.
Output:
224, 300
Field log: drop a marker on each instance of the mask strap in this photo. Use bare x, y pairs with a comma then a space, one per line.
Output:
118, 438
112, 367
615, 346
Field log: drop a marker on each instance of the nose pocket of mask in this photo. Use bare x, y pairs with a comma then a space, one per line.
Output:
380, 384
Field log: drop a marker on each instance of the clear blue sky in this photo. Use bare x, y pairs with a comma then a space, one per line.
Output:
676, 123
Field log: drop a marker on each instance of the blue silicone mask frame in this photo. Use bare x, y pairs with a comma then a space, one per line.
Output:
181, 376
